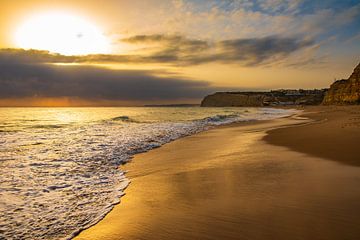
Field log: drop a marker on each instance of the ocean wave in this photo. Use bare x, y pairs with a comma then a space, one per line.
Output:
222, 119
126, 119
71, 180
48, 126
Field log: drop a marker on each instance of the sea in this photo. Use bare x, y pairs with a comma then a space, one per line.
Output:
59, 167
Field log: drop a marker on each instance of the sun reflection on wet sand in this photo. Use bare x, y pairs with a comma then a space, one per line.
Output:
239, 188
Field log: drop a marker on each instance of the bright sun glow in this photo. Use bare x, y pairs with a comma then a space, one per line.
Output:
61, 33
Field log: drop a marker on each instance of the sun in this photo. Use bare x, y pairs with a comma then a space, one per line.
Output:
61, 33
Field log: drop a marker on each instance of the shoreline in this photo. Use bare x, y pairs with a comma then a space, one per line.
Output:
335, 128
252, 123
157, 172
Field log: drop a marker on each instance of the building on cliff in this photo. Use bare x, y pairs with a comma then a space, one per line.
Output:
346, 91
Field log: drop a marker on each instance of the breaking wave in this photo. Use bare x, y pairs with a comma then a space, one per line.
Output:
57, 181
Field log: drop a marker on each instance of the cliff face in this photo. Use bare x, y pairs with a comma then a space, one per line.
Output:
259, 99
223, 99
345, 91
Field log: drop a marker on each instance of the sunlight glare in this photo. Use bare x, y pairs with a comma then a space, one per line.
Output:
61, 33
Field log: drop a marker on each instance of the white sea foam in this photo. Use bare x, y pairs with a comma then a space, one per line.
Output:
56, 181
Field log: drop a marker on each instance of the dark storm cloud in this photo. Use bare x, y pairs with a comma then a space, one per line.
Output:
45, 80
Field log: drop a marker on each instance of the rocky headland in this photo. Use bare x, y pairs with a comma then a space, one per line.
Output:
260, 99
346, 91
341, 92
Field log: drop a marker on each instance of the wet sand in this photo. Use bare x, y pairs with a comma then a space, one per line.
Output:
231, 183
335, 136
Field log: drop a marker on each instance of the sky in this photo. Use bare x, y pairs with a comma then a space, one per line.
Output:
125, 53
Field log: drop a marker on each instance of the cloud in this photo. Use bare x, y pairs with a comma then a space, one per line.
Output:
19, 80
178, 50
170, 39
171, 43
248, 52
12, 55
168, 48
280, 6
230, 19
256, 51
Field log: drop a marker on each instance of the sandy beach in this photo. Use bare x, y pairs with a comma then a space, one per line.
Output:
290, 178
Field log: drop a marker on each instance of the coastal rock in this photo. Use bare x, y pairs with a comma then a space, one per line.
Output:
259, 99
345, 91
229, 99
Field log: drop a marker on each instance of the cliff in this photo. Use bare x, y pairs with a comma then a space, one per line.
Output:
259, 99
228, 99
345, 91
